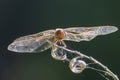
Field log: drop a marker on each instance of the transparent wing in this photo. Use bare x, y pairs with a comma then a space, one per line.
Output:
33, 43
78, 34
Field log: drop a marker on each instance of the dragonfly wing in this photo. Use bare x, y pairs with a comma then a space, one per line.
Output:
87, 33
33, 43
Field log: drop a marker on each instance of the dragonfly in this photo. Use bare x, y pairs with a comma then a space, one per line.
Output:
41, 41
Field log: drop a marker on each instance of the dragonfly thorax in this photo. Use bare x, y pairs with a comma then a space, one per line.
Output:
59, 34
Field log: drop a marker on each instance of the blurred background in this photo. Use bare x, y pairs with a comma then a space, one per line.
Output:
22, 17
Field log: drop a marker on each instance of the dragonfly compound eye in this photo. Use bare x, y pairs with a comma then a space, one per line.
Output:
76, 65
59, 34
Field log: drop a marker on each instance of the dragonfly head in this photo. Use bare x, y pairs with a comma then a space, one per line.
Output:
59, 34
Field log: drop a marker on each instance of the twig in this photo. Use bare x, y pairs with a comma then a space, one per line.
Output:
107, 70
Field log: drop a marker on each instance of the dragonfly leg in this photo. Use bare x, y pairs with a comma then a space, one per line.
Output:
63, 43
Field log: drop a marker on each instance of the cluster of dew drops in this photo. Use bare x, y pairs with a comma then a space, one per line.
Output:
76, 64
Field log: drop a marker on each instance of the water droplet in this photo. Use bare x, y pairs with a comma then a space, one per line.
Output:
58, 53
77, 65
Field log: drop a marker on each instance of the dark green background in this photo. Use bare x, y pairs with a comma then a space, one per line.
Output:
22, 17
